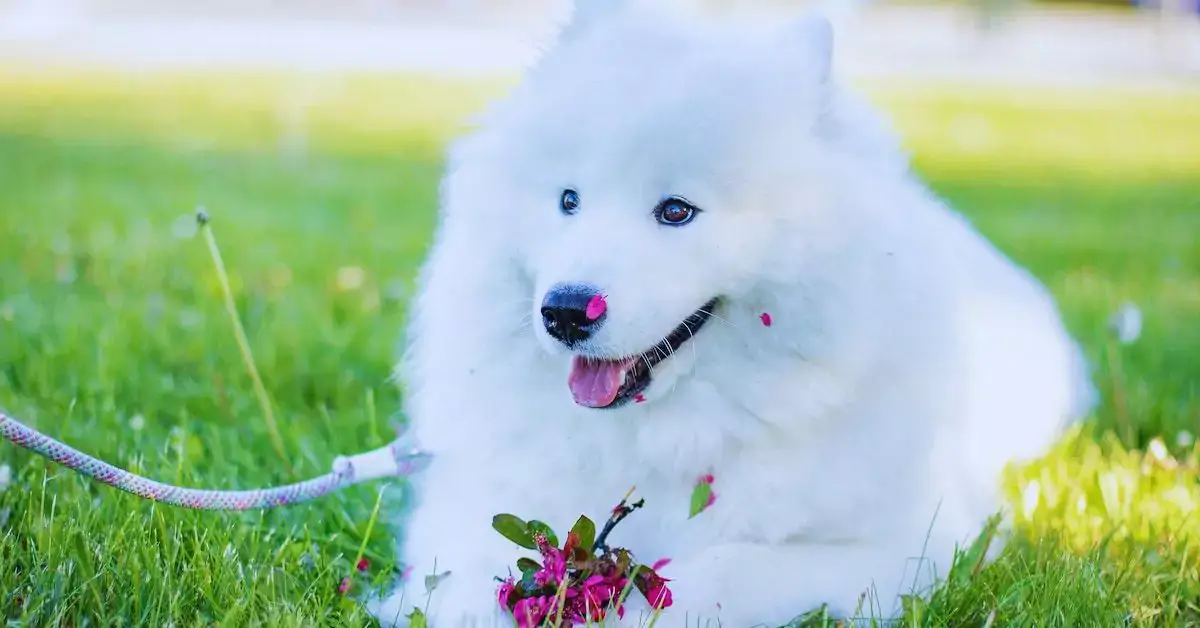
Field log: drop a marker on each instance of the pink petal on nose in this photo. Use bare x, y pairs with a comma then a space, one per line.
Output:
596, 307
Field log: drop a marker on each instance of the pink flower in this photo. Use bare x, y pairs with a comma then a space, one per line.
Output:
554, 565
654, 588
712, 495
344, 586
598, 589
578, 608
596, 307
766, 319
600, 593
504, 592
363, 564
543, 578
659, 597
530, 611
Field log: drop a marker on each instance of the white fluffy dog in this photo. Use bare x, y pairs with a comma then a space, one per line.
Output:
680, 248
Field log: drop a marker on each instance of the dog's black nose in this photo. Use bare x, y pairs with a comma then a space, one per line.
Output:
571, 313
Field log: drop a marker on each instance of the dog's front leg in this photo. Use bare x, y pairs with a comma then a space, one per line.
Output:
448, 540
751, 584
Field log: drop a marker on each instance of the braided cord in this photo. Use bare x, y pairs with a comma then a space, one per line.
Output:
406, 462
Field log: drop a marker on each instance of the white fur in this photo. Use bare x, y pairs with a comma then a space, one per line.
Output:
907, 363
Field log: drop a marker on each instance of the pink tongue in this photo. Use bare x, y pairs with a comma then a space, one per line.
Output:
595, 383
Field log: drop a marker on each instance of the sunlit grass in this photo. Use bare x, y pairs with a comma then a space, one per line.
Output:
113, 334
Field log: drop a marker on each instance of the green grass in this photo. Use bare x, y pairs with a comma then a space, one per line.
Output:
113, 335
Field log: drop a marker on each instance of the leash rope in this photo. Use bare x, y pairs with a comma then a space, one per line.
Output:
400, 458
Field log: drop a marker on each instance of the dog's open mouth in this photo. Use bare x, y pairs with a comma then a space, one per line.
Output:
599, 383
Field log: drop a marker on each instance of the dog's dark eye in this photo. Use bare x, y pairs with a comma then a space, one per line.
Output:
675, 212
569, 203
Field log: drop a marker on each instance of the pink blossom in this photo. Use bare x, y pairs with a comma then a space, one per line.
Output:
600, 592
596, 307
659, 597
766, 319
654, 588
505, 591
363, 564
554, 563
543, 578
530, 611
344, 586
599, 600
603, 589
712, 495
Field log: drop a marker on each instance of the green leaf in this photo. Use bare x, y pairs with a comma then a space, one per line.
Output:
816, 617
514, 529
528, 584
700, 496
433, 580
536, 527
967, 563
586, 530
416, 619
914, 607
526, 564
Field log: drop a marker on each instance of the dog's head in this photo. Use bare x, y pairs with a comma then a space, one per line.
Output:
651, 171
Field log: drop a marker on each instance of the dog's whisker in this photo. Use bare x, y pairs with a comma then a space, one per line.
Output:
646, 360
723, 320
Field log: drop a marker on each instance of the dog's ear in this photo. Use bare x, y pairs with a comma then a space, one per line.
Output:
814, 33
585, 13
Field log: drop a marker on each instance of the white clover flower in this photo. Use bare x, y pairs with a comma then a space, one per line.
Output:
1184, 439
1126, 323
137, 422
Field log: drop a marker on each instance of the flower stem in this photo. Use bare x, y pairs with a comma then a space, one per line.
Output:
243, 342
618, 514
